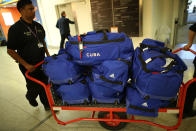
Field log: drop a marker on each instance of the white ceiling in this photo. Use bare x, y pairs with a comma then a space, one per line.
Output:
9, 5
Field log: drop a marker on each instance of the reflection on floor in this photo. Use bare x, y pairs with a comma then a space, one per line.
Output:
182, 34
17, 115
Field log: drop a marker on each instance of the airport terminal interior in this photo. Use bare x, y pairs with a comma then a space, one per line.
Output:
16, 114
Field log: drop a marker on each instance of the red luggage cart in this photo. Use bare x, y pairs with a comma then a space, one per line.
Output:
113, 116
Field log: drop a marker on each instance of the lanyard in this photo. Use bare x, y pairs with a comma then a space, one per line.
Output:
34, 33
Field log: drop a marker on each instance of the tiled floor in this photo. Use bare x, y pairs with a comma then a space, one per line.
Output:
182, 34
17, 115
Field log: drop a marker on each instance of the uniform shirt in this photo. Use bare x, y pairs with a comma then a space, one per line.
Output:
193, 27
63, 25
21, 39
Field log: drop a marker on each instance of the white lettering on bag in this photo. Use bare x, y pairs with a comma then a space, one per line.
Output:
92, 54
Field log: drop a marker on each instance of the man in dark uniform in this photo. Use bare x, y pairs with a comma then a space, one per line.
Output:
191, 92
26, 45
63, 25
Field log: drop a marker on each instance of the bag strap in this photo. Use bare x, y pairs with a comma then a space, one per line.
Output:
54, 56
66, 81
99, 42
148, 96
125, 61
104, 31
83, 81
144, 64
109, 81
141, 109
162, 49
160, 56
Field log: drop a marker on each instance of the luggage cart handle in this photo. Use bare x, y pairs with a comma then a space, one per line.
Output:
47, 90
38, 64
184, 50
33, 79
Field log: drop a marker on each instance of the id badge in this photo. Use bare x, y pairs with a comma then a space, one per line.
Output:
40, 45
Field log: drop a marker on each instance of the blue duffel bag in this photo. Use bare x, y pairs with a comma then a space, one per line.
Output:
108, 81
60, 69
63, 51
157, 72
136, 104
102, 94
76, 93
96, 47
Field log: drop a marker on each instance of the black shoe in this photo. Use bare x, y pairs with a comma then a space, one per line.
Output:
47, 108
32, 102
187, 115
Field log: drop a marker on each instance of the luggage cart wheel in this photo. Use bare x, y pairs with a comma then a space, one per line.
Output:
112, 125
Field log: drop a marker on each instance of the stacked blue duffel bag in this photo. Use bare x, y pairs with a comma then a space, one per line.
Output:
99, 46
67, 79
95, 67
109, 55
99, 59
108, 80
156, 79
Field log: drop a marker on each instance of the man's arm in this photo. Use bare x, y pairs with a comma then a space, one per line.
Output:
46, 49
57, 24
191, 39
16, 57
192, 33
71, 22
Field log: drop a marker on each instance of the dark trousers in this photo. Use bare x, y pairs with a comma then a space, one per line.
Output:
191, 94
63, 36
34, 89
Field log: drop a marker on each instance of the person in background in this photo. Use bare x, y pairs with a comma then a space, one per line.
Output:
27, 47
191, 91
63, 25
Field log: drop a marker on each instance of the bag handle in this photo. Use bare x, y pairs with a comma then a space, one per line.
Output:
105, 38
149, 96
109, 81
144, 64
99, 42
53, 57
125, 61
104, 31
141, 109
162, 49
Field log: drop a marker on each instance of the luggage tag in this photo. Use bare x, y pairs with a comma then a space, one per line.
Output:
80, 46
